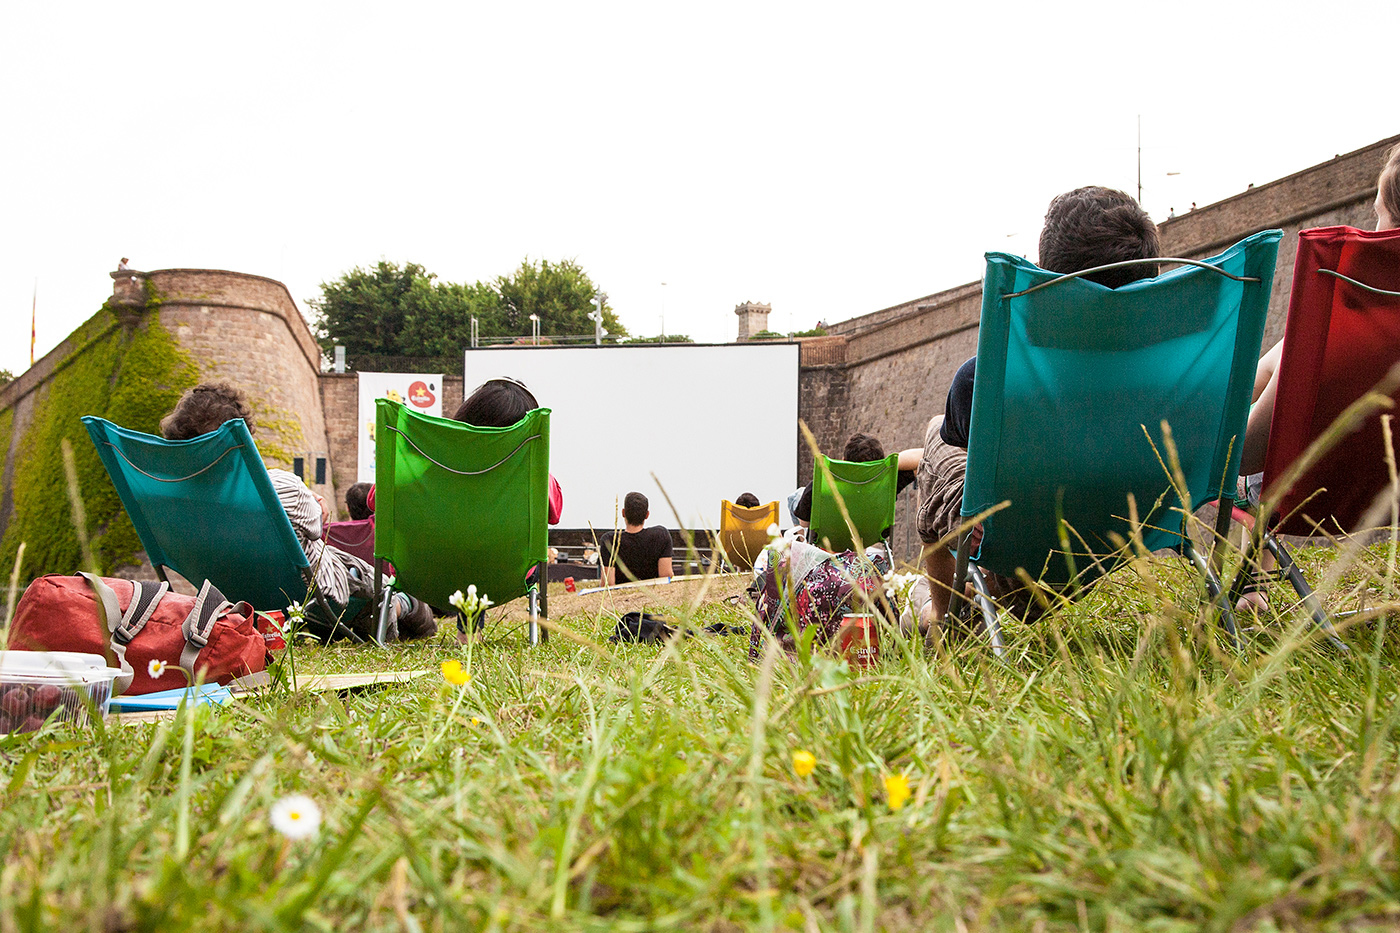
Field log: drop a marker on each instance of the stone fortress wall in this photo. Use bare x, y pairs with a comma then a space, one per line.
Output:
886, 372
899, 361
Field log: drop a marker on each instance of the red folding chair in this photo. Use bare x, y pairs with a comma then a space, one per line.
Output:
1341, 341
354, 537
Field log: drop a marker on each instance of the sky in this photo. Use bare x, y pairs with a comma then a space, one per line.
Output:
828, 159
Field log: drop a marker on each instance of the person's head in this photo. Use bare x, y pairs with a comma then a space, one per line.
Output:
863, 448
1388, 192
1095, 226
748, 500
498, 403
125, 259
357, 501
203, 409
635, 508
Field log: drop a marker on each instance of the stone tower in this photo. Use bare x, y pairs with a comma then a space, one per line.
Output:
753, 317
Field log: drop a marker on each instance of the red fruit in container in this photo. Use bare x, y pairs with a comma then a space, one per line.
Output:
47, 697
6, 725
32, 724
16, 701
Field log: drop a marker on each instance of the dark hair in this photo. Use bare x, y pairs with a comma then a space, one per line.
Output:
498, 403
863, 448
748, 500
203, 409
357, 501
1389, 184
634, 508
1095, 226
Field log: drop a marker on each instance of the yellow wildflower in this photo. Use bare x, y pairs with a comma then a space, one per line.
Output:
897, 790
453, 673
803, 762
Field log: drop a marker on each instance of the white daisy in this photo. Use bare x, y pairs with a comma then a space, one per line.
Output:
296, 816
156, 668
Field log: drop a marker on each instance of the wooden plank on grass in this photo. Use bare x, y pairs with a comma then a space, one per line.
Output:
310, 683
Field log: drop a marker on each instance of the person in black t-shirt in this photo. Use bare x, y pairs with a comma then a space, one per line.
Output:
636, 553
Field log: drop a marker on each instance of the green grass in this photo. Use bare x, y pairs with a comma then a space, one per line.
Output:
1123, 771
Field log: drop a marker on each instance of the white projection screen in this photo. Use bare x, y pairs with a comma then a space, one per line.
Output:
710, 421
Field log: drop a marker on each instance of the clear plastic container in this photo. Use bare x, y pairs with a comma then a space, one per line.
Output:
38, 685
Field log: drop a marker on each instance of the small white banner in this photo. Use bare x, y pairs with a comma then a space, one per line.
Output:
419, 391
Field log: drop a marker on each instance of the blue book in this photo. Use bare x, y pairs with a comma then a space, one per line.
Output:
170, 699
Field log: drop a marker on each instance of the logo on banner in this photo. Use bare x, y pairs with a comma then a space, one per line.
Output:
420, 395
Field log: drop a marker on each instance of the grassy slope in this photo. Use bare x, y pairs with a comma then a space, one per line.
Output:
1121, 773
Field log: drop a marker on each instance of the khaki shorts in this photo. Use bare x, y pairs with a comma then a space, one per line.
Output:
942, 469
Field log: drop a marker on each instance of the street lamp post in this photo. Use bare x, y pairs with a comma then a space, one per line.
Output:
599, 299
535, 328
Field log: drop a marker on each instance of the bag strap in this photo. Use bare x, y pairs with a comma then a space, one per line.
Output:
123, 627
209, 605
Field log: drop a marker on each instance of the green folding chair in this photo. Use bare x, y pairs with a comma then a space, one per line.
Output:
1074, 381
868, 492
206, 509
458, 505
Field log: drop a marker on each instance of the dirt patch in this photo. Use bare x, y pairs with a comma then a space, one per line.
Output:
676, 596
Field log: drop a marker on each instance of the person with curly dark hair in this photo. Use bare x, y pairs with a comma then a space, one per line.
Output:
339, 575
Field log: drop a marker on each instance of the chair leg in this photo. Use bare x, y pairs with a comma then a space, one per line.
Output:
956, 599
336, 624
386, 599
1300, 586
1214, 590
544, 595
535, 634
989, 610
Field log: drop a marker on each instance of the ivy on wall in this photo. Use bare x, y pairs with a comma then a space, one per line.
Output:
128, 370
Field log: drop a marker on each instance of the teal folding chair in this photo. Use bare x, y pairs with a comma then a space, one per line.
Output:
206, 509
1073, 383
458, 505
866, 489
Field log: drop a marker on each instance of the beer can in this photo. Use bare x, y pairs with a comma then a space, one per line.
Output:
858, 639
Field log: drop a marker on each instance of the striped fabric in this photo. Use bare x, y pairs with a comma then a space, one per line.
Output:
331, 565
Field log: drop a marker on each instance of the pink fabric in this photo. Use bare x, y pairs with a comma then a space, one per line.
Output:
355, 537
556, 501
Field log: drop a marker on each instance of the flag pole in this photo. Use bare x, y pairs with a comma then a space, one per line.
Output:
33, 322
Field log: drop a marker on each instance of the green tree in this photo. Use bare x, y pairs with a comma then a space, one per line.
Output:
561, 293
405, 311
438, 321
365, 309
6, 377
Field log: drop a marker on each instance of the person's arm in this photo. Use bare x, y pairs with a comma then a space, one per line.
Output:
305, 513
663, 561
909, 458
610, 575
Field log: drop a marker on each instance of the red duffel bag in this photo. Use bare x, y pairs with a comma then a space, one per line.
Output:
202, 635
